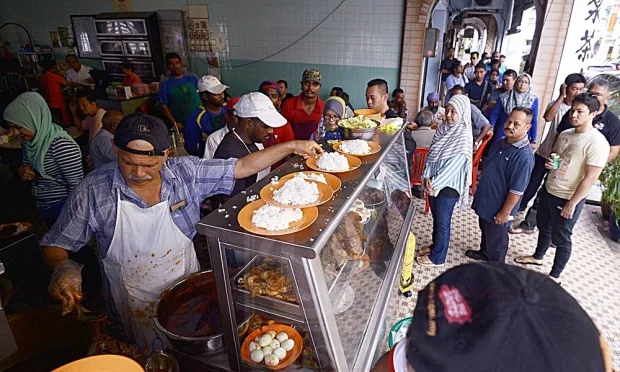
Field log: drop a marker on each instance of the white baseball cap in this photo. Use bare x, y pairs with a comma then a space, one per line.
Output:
258, 105
211, 84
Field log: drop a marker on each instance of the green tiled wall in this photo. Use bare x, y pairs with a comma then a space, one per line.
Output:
352, 79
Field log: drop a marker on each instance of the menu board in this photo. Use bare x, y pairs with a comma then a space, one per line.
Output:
85, 36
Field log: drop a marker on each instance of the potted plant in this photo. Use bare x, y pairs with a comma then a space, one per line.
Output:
610, 198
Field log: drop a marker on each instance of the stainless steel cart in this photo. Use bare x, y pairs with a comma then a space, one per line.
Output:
340, 310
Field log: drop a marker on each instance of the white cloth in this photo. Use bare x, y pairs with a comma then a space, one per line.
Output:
147, 255
80, 77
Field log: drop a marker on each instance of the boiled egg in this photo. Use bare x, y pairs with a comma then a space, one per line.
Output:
280, 353
257, 355
281, 337
275, 344
288, 344
272, 360
265, 340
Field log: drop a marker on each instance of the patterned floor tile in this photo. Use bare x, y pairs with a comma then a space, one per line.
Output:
591, 275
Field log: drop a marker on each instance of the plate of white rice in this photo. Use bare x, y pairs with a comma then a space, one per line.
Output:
296, 192
261, 218
357, 147
334, 162
333, 181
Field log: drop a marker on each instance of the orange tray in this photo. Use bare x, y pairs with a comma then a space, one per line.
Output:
245, 220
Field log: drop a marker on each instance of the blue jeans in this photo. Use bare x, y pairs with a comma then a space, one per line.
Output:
441, 208
553, 227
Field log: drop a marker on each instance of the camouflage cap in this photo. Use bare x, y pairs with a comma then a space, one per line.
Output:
311, 75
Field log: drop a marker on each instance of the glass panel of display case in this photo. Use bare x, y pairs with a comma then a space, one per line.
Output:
264, 289
355, 259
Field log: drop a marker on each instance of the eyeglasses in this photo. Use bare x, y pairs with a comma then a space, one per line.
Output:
331, 117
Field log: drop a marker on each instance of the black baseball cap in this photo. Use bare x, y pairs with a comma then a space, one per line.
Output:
138, 126
497, 317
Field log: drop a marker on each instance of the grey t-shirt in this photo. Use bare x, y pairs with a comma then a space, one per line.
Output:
478, 121
101, 148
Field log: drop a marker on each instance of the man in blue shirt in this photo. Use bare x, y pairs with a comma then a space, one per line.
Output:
143, 210
505, 178
208, 117
178, 94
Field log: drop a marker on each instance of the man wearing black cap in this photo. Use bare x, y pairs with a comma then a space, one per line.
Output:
143, 210
495, 317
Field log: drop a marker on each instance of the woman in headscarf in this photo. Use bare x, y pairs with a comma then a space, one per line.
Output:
520, 96
447, 176
51, 159
335, 109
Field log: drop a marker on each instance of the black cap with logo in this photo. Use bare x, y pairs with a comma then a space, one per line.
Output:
148, 128
497, 317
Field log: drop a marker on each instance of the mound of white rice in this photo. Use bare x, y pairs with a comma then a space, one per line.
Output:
333, 161
297, 191
355, 147
312, 176
274, 218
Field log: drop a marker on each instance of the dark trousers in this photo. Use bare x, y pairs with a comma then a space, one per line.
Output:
536, 179
441, 208
552, 227
494, 241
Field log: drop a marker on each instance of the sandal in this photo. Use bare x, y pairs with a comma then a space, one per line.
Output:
528, 260
519, 230
426, 261
425, 251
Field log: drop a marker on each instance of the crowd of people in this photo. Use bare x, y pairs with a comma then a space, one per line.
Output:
582, 137
128, 186
139, 195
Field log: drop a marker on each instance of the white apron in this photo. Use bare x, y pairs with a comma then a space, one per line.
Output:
265, 171
147, 255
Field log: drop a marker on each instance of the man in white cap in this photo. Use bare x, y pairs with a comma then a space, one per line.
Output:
257, 116
208, 117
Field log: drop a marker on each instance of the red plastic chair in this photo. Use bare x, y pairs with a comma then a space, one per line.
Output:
419, 160
476, 161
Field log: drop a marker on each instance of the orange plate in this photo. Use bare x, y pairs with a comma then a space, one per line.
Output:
245, 220
325, 193
291, 356
354, 163
374, 148
333, 181
27, 225
102, 363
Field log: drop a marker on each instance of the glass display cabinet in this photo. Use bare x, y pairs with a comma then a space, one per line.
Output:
332, 281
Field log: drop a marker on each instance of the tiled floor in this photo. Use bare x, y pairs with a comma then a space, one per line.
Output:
591, 276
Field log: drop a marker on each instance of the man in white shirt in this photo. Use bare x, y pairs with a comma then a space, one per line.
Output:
573, 85
92, 123
583, 153
77, 72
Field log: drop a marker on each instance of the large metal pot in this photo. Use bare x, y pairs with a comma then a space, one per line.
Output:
363, 134
201, 284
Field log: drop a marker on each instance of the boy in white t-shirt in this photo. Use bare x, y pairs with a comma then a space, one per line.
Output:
583, 153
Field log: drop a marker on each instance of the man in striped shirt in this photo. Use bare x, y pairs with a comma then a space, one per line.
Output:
143, 210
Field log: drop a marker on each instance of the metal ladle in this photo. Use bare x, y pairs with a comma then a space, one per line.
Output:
89, 316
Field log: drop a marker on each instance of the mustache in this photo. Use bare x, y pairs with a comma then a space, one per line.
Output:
139, 179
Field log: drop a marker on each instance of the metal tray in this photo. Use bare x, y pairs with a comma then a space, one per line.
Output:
242, 296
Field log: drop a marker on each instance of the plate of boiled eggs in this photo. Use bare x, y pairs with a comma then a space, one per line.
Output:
275, 346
